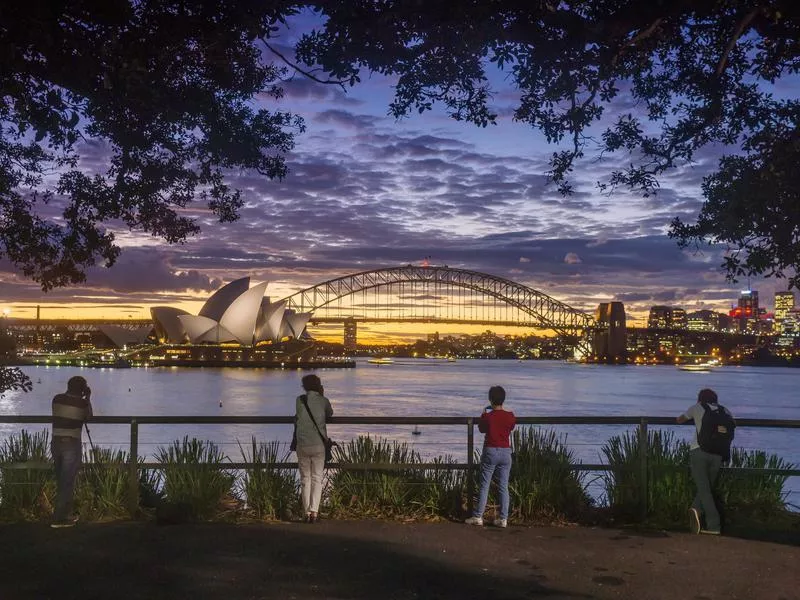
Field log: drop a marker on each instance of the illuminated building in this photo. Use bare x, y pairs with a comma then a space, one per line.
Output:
789, 331
350, 334
679, 320
666, 317
236, 313
659, 316
703, 320
784, 302
746, 313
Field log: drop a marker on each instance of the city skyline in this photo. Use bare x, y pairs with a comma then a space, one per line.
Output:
366, 191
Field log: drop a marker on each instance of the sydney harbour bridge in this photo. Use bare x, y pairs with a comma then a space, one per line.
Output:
442, 294
438, 294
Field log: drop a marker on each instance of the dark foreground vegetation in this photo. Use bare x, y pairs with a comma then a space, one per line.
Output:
195, 484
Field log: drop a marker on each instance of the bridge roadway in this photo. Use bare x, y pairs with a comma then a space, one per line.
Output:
391, 560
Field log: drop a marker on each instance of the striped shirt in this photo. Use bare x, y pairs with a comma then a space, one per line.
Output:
69, 413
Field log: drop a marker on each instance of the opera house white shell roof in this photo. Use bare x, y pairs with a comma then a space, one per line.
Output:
235, 313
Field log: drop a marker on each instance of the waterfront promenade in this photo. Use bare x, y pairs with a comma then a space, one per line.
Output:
372, 559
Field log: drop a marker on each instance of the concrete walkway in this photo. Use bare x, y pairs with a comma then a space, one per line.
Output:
369, 559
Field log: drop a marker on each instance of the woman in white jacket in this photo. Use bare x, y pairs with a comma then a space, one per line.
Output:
313, 409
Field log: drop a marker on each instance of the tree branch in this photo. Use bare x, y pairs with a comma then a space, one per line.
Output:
341, 83
736, 35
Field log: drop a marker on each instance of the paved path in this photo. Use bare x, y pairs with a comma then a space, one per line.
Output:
368, 559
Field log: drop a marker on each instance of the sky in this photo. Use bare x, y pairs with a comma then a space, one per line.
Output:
367, 191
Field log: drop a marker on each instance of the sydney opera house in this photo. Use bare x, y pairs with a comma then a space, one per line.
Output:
234, 314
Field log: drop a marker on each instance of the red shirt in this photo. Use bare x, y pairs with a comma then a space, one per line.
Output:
497, 425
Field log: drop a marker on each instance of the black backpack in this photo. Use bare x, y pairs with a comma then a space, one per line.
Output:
716, 432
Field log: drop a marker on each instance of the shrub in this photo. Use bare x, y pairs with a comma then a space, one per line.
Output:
26, 493
101, 491
270, 491
669, 489
193, 476
753, 495
543, 485
402, 493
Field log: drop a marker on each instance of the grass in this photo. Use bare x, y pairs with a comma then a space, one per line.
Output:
402, 493
101, 491
669, 490
270, 491
543, 486
753, 496
193, 477
26, 493
745, 497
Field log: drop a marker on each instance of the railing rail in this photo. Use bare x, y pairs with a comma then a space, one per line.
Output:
371, 420
641, 422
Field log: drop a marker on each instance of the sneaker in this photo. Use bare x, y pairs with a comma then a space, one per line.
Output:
474, 521
694, 520
501, 523
62, 524
710, 532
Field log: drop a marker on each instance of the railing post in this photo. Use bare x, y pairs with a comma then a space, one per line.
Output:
133, 469
643, 483
470, 465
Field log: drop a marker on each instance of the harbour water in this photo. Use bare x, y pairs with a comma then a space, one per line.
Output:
423, 387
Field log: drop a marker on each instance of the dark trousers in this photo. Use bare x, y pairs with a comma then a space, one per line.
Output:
67, 459
705, 468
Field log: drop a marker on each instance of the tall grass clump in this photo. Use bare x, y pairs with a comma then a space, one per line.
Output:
26, 493
753, 495
670, 490
669, 486
101, 491
270, 491
402, 493
192, 476
543, 485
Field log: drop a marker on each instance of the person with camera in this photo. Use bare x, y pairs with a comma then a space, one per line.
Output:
70, 411
497, 423
710, 447
313, 409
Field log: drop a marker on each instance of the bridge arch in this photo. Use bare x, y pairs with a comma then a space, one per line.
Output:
544, 311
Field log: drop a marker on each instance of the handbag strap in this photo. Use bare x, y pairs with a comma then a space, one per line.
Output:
304, 399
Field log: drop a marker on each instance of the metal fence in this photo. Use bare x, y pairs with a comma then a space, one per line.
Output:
469, 423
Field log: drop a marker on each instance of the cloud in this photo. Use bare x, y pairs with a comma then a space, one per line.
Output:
149, 270
572, 259
524, 259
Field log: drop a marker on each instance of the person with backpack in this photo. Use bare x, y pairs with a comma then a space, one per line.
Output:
711, 446
311, 442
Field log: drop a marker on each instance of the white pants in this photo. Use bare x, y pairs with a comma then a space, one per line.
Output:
311, 462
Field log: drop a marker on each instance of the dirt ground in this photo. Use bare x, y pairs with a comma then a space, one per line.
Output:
371, 559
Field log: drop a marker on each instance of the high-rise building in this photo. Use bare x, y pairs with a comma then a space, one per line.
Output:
678, 318
746, 313
659, 317
350, 334
703, 320
666, 317
789, 328
784, 302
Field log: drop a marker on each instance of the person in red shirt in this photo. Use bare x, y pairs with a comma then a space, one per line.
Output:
497, 423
